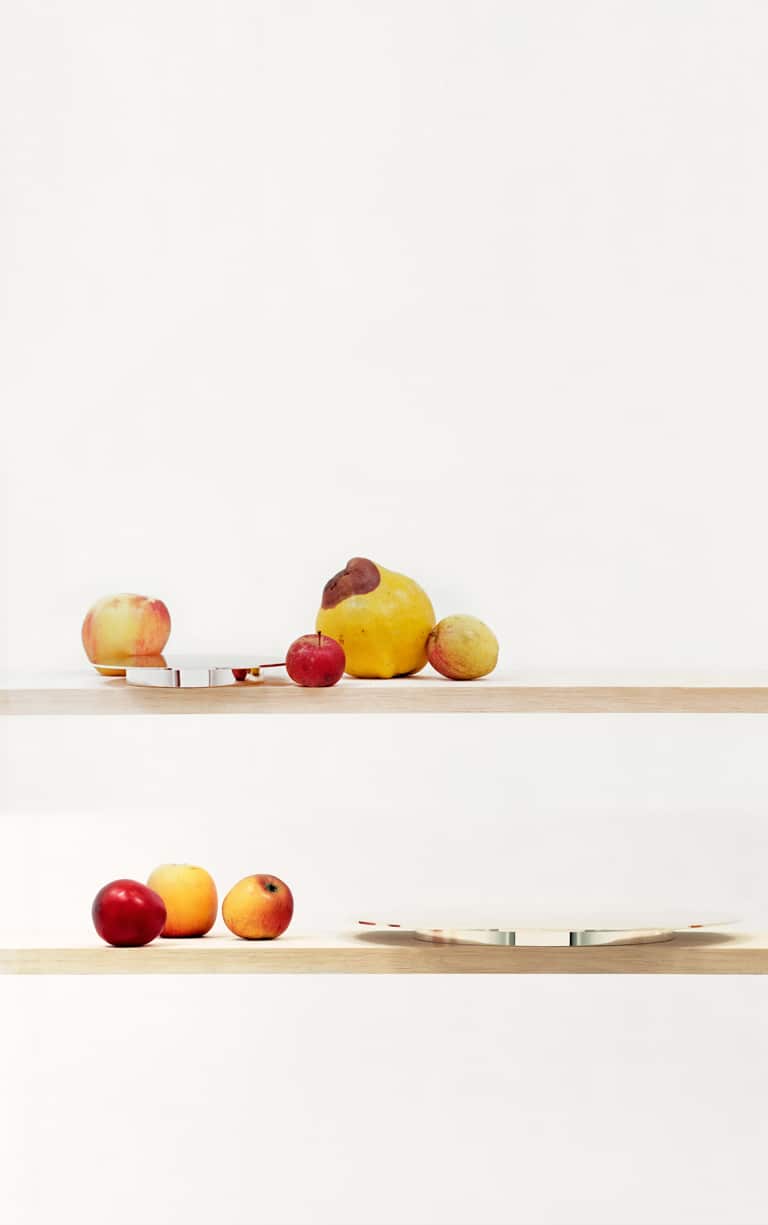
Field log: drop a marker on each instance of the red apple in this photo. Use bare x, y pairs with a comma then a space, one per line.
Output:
128, 914
315, 660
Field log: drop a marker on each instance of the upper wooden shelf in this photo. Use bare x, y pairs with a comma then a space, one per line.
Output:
704, 952
84, 693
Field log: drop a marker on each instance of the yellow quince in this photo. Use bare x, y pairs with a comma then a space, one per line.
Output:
382, 619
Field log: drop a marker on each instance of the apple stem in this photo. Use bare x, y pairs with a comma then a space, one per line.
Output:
319, 638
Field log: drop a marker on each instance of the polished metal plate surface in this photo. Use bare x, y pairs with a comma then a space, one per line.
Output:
528, 937
190, 671
577, 930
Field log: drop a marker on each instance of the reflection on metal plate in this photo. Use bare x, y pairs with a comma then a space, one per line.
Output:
189, 671
543, 938
575, 930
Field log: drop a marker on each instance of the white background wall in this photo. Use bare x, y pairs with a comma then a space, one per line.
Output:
477, 290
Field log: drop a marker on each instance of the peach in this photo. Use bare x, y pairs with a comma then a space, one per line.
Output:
119, 626
258, 907
190, 897
462, 648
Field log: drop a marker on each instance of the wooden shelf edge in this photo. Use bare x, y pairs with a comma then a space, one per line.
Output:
385, 953
410, 696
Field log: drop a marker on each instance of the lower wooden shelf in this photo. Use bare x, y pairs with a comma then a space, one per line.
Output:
704, 952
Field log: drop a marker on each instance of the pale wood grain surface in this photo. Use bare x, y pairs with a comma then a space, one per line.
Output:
88, 694
705, 952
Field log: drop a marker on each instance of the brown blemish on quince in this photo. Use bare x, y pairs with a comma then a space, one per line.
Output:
358, 577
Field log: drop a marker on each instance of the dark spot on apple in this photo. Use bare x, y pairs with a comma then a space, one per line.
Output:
358, 577
271, 887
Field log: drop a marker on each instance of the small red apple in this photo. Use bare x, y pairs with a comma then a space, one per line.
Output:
128, 914
315, 660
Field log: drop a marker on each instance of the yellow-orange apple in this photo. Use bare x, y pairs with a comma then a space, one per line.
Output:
119, 626
258, 907
462, 648
190, 897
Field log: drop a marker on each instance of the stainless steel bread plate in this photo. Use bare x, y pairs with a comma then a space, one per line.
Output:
564, 931
190, 671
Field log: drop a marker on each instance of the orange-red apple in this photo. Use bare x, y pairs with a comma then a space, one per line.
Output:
190, 898
258, 907
119, 626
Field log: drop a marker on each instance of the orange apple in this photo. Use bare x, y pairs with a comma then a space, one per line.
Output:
122, 625
190, 897
258, 907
